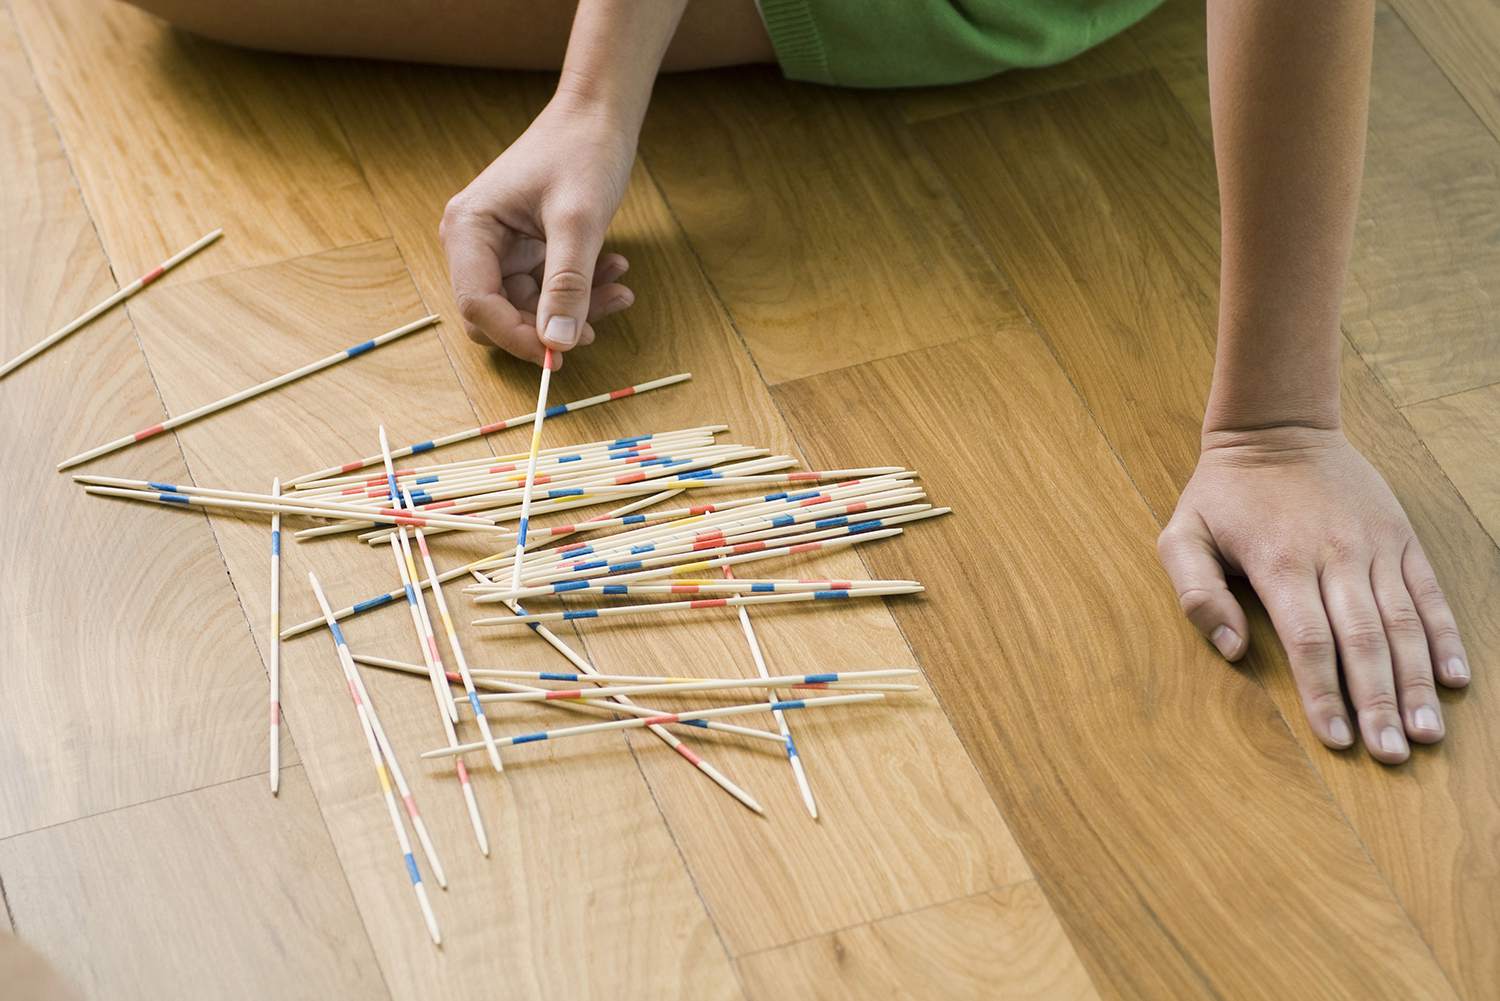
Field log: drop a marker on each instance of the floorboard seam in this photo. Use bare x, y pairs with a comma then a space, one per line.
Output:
792, 434
893, 915
1395, 8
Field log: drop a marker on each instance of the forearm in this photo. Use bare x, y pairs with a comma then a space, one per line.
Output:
614, 52
1289, 88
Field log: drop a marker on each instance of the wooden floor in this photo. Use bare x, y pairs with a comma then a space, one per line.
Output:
1009, 286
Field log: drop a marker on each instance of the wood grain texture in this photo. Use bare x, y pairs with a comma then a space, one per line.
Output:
183, 136
940, 835
1464, 37
1423, 299
249, 884
1463, 433
1424, 276
572, 815
1137, 345
1157, 794
1001, 946
99, 712
817, 221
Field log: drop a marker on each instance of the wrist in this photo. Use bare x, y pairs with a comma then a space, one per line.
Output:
614, 107
1275, 374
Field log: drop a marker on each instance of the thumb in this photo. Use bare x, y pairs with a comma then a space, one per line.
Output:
1191, 559
563, 306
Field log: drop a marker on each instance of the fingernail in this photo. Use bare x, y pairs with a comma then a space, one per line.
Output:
1392, 741
1226, 639
1339, 730
562, 332
1457, 669
1426, 718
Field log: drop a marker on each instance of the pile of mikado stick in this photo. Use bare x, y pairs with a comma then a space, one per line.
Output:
652, 545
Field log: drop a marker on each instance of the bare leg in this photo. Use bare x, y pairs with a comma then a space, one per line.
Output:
502, 34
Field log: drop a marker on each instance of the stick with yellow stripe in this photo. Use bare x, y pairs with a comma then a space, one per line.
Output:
536, 444
367, 726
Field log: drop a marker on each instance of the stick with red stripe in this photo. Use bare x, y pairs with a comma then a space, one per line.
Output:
536, 444
654, 688
368, 725
489, 429
381, 600
124, 293
438, 677
793, 756
189, 497
458, 652
489, 680
657, 730
685, 717
275, 768
245, 394
574, 614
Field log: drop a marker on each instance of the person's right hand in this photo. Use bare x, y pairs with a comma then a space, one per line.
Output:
523, 239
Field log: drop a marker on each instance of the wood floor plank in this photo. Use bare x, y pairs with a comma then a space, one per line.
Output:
173, 136
249, 883
99, 712
816, 221
1464, 37
1425, 272
1121, 278
939, 836
570, 816
1172, 820
1001, 946
1463, 433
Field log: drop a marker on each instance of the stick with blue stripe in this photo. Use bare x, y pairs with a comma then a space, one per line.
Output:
238, 500
655, 687
458, 655
492, 428
275, 768
582, 588
381, 600
536, 444
657, 730
346, 663
724, 518
574, 614
246, 394
685, 717
793, 756
493, 680
435, 673
741, 537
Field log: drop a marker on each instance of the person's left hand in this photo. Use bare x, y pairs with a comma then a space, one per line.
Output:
1331, 554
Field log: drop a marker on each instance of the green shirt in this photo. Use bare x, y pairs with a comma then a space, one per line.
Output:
904, 43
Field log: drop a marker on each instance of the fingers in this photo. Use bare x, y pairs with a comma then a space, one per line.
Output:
474, 268
1408, 644
1366, 657
1191, 559
525, 294
1295, 605
573, 243
1443, 643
